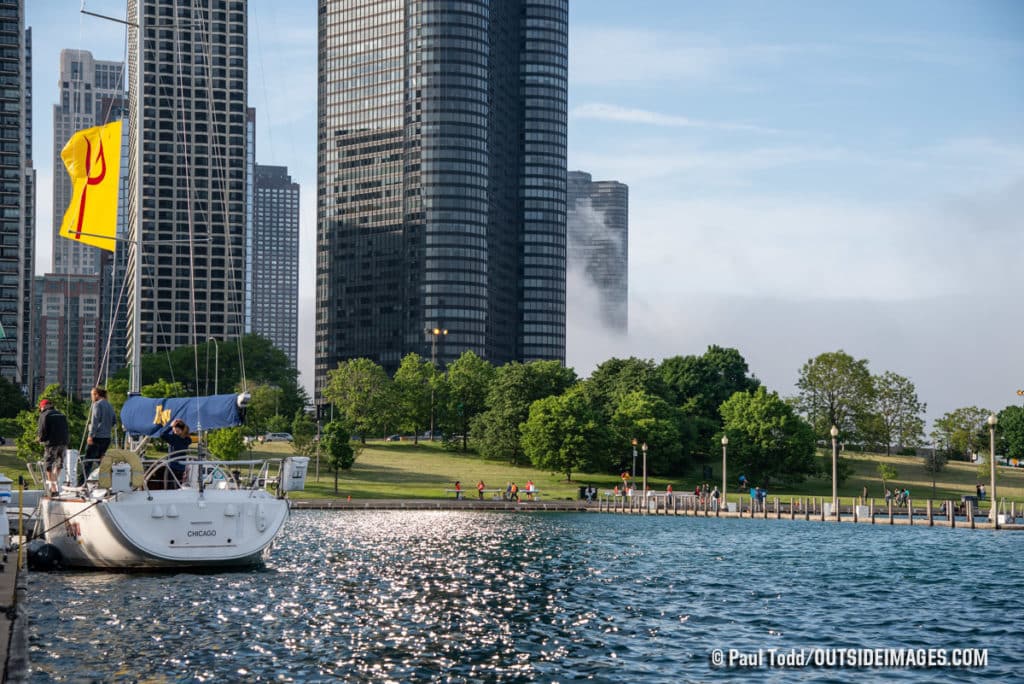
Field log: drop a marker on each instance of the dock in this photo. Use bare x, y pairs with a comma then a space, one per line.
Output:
13, 618
923, 514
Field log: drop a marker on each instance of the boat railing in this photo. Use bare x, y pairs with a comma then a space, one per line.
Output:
183, 468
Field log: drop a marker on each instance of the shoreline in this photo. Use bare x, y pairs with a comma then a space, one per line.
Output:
810, 510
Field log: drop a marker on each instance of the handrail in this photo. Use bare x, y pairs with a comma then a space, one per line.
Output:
206, 470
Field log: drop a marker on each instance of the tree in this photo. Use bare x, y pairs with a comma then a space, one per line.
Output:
767, 439
1010, 437
887, 472
264, 405
835, 389
564, 434
899, 415
650, 420
227, 443
706, 381
467, 382
964, 431
337, 448
361, 391
29, 449
12, 401
412, 383
303, 431
615, 378
514, 388
161, 389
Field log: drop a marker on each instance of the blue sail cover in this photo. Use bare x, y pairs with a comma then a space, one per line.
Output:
145, 416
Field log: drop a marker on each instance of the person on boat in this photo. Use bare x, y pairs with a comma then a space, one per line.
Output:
101, 425
178, 438
53, 433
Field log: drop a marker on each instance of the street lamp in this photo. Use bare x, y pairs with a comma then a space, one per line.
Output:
992, 420
434, 334
632, 473
835, 457
725, 443
643, 448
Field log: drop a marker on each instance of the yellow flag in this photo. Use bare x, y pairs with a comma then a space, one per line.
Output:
93, 160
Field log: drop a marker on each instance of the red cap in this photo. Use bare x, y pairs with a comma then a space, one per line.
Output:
43, 403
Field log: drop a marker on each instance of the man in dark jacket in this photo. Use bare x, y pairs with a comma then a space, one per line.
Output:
53, 433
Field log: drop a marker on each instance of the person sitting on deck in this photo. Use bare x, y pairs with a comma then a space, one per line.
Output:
179, 439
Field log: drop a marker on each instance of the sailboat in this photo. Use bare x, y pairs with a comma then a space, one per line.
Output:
181, 510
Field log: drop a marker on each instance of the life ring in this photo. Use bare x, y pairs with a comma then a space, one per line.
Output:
129, 457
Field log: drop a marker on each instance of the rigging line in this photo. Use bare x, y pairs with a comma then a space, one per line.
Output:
236, 266
115, 310
187, 156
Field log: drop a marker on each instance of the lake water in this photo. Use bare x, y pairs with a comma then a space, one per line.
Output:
468, 597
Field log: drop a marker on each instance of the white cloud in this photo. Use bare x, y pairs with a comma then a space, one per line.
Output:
610, 112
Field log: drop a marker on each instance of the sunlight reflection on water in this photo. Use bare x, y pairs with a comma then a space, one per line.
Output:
460, 596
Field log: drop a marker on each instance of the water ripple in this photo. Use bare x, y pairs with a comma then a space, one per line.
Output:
467, 597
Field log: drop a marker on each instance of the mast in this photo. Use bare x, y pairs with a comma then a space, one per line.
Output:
136, 374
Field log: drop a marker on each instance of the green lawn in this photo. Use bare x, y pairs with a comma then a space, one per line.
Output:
388, 470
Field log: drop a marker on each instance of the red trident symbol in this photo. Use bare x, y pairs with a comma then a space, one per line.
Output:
89, 180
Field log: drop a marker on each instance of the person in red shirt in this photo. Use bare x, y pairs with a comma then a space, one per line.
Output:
480, 486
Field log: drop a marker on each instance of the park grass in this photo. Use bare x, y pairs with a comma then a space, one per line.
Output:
404, 470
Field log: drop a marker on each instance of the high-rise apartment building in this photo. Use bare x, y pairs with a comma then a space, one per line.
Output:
17, 195
86, 87
67, 316
193, 181
275, 259
598, 236
441, 179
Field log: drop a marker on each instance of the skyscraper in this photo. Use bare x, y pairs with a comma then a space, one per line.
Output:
67, 316
275, 259
441, 179
17, 195
194, 170
598, 235
85, 85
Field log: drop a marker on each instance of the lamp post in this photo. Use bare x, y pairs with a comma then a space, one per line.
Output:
725, 443
216, 362
643, 448
434, 334
993, 514
632, 473
835, 457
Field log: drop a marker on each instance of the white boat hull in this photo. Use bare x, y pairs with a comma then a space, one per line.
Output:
172, 529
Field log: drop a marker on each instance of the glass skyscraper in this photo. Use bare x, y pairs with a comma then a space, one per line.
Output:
441, 179
598, 233
275, 259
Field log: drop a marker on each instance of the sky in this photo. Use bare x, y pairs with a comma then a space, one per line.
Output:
804, 177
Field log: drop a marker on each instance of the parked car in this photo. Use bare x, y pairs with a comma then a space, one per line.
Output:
393, 438
277, 437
